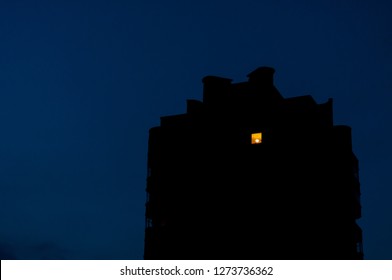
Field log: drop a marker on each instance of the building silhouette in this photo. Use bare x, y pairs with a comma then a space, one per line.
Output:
248, 174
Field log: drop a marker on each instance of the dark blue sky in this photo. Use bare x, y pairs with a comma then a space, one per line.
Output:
81, 82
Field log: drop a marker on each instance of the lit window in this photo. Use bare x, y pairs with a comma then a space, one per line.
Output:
257, 138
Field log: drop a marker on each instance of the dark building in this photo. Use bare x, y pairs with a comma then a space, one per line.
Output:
248, 174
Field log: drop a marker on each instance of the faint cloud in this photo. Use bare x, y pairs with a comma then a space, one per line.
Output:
6, 252
46, 251
31, 250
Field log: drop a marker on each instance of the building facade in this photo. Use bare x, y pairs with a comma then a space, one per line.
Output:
248, 174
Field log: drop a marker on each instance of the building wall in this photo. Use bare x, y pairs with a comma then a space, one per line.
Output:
214, 195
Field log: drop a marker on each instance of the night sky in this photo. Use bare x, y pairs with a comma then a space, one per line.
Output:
81, 83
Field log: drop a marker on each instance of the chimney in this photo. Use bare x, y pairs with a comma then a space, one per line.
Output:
262, 76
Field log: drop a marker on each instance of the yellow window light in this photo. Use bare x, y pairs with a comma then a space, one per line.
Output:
257, 138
